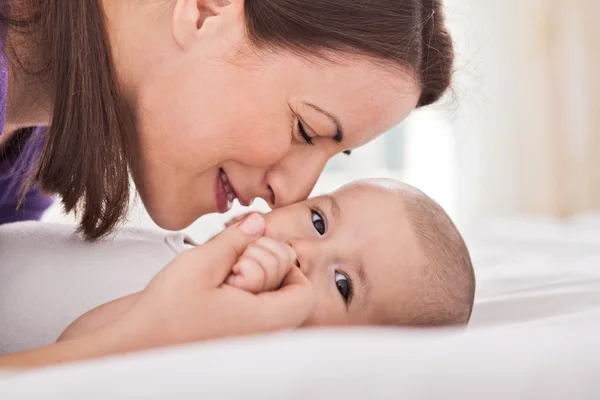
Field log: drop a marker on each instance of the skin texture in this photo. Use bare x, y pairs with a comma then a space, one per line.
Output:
238, 108
186, 302
326, 238
367, 240
206, 99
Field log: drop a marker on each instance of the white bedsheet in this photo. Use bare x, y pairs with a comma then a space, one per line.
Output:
555, 362
535, 334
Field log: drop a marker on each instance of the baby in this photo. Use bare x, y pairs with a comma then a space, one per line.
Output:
377, 252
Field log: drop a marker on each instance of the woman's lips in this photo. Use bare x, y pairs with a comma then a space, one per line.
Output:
225, 193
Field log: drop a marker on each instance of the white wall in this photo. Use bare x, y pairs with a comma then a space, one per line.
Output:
529, 109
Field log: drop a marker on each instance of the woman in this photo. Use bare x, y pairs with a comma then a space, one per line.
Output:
202, 101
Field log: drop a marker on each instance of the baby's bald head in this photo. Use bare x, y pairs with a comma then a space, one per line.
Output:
443, 290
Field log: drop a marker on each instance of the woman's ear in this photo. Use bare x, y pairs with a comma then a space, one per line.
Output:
192, 17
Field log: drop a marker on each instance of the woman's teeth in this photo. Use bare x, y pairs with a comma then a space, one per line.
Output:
228, 190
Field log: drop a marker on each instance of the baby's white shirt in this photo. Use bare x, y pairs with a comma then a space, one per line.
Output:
49, 276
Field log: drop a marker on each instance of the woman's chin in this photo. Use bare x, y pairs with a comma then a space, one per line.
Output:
172, 220
174, 213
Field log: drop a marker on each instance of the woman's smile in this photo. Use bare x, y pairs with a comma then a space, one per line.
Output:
225, 193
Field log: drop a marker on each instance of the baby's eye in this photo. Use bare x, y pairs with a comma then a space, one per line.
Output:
344, 286
318, 222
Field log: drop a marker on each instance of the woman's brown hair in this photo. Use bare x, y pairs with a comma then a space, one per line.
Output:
85, 155
90, 144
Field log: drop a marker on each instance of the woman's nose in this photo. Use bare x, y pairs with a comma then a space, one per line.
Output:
293, 180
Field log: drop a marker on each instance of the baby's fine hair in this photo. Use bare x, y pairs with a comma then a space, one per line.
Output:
446, 294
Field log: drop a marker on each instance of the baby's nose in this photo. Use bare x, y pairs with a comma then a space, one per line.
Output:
303, 267
297, 261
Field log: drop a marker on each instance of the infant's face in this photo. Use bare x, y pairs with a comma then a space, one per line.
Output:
357, 249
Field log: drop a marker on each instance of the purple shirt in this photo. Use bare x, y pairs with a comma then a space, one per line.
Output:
17, 162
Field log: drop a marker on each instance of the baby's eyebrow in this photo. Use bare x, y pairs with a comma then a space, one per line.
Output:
334, 206
364, 283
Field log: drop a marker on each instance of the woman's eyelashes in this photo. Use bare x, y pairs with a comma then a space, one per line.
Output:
344, 286
303, 133
318, 222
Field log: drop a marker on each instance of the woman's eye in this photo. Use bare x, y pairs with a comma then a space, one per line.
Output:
303, 133
344, 286
318, 222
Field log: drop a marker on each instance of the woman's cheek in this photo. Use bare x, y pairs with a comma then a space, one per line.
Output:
263, 149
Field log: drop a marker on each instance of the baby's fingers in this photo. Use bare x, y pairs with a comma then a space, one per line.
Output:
251, 276
275, 257
263, 266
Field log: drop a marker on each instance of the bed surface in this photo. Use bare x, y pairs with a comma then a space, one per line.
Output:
534, 334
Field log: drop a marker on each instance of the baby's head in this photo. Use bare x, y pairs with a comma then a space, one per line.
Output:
379, 252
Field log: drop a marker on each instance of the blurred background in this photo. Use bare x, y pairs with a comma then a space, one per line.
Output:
516, 144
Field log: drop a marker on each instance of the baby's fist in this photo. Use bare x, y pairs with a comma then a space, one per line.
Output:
263, 266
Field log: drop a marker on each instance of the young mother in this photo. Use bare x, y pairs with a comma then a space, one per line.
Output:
200, 101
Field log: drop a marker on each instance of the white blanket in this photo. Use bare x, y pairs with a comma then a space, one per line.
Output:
534, 335
508, 363
49, 276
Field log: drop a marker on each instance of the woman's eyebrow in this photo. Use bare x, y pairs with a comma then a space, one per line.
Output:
339, 136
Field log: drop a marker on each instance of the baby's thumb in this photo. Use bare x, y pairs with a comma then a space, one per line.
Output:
223, 251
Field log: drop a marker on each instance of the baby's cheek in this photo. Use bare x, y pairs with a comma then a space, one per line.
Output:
318, 318
285, 223
311, 322
271, 232
328, 312
273, 222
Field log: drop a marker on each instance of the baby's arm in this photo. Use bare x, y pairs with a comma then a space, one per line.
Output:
98, 317
261, 268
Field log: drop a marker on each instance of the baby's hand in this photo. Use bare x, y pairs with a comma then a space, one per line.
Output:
263, 266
